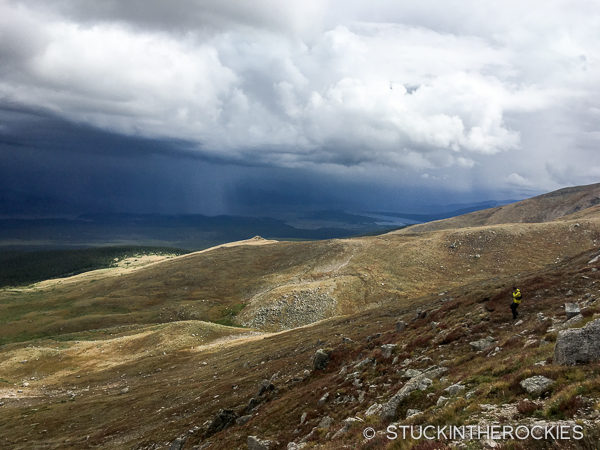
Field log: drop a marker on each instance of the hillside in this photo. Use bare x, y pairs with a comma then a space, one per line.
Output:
288, 284
542, 208
76, 354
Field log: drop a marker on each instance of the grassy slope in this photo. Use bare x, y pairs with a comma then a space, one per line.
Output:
358, 273
176, 392
542, 208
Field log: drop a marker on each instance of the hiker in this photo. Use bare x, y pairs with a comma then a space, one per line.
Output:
516, 295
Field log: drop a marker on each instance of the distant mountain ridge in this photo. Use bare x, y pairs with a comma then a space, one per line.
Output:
543, 208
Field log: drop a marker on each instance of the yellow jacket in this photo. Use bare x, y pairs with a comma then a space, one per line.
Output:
517, 296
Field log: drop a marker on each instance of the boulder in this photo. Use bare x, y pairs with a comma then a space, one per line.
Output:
243, 420
389, 409
255, 443
325, 422
454, 389
177, 444
536, 385
363, 363
347, 425
323, 399
571, 310
388, 349
411, 373
578, 345
482, 344
373, 409
265, 386
441, 401
321, 358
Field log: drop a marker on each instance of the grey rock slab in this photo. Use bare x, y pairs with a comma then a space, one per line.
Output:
578, 345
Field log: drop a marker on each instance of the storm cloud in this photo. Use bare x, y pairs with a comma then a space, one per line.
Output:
495, 96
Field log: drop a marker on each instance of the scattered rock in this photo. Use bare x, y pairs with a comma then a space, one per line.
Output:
387, 350
363, 363
578, 345
441, 401
400, 326
373, 409
373, 337
454, 389
125, 390
568, 324
411, 373
412, 412
347, 425
223, 419
303, 418
323, 399
572, 309
177, 444
255, 443
325, 422
321, 358
482, 344
294, 446
243, 420
388, 410
569, 293
435, 371
536, 385
265, 386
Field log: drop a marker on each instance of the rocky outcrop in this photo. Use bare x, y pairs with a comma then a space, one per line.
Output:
579, 345
536, 385
420, 383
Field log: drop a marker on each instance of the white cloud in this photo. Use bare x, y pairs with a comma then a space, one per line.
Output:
315, 83
519, 180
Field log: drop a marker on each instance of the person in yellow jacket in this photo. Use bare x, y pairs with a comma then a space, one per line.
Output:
516, 301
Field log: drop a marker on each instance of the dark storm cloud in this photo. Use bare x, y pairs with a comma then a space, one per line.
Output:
486, 96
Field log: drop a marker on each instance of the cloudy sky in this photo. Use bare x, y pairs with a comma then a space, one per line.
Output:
219, 106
